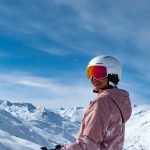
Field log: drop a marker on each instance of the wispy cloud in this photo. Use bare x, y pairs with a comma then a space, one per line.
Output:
49, 92
64, 27
43, 91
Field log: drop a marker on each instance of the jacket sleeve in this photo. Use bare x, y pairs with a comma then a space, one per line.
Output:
84, 143
97, 120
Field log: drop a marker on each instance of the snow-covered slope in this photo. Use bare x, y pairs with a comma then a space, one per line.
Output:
25, 127
138, 129
10, 142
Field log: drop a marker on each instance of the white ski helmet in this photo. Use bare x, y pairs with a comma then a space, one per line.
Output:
112, 64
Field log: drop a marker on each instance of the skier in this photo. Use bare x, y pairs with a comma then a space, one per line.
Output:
103, 124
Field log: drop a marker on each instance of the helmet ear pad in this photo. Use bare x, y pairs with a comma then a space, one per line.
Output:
113, 78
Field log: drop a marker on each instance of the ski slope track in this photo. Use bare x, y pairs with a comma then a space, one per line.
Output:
25, 127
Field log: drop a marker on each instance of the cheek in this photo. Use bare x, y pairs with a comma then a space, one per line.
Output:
100, 82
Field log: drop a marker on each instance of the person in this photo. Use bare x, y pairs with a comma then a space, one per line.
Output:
103, 124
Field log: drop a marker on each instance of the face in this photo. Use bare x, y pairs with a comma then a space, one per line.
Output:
99, 84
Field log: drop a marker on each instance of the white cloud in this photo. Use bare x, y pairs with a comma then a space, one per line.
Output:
42, 91
113, 21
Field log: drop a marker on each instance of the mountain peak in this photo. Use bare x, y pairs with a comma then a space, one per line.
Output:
28, 106
5, 103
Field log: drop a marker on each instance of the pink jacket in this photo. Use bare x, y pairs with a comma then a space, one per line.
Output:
103, 124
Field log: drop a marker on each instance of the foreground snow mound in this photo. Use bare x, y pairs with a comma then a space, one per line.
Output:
138, 129
10, 142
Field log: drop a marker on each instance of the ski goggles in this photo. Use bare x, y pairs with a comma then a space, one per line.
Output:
99, 72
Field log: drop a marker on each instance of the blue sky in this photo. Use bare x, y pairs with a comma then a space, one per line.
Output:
45, 47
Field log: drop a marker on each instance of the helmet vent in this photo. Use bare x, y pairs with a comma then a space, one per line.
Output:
107, 56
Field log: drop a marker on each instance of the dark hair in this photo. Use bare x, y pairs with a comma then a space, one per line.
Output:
113, 78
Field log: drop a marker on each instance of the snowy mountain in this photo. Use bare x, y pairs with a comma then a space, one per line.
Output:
74, 114
42, 127
25, 127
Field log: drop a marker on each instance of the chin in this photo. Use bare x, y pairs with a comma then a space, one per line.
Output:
97, 89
